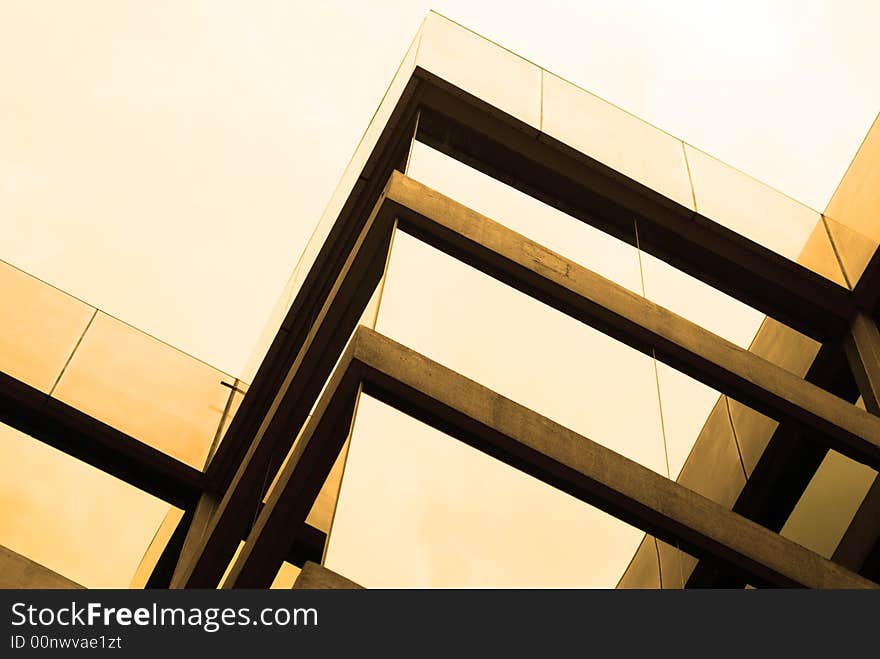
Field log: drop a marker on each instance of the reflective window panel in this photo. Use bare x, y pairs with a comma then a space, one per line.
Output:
146, 389
71, 517
421, 509
39, 328
827, 506
739, 202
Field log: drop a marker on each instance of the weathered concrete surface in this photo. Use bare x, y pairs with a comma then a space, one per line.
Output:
628, 317
592, 299
534, 444
576, 184
851, 219
489, 139
17, 571
318, 577
713, 469
224, 519
301, 479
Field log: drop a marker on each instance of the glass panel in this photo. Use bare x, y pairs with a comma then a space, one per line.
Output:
700, 303
676, 566
481, 68
321, 514
551, 228
157, 546
713, 467
356, 172
753, 432
854, 249
758, 212
231, 563
146, 389
791, 350
421, 509
785, 347
853, 209
39, 328
643, 570
828, 505
657, 564
237, 390
819, 255
615, 138
286, 577
522, 349
71, 517
688, 404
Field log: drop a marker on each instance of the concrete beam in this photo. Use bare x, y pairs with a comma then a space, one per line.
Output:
390, 151
548, 277
304, 473
85, 438
225, 518
596, 194
553, 172
630, 318
525, 440
451, 122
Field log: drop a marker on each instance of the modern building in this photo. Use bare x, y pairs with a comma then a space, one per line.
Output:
533, 341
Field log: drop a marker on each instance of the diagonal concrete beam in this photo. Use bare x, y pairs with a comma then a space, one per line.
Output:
573, 182
535, 270
530, 442
209, 548
630, 318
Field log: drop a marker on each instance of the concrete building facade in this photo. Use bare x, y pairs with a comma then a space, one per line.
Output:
534, 340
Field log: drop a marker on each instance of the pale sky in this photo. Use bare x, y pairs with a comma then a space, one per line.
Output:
167, 161
184, 150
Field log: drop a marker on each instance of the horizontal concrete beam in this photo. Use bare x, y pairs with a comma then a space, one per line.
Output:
85, 438
479, 135
469, 131
632, 319
525, 440
79, 435
528, 266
